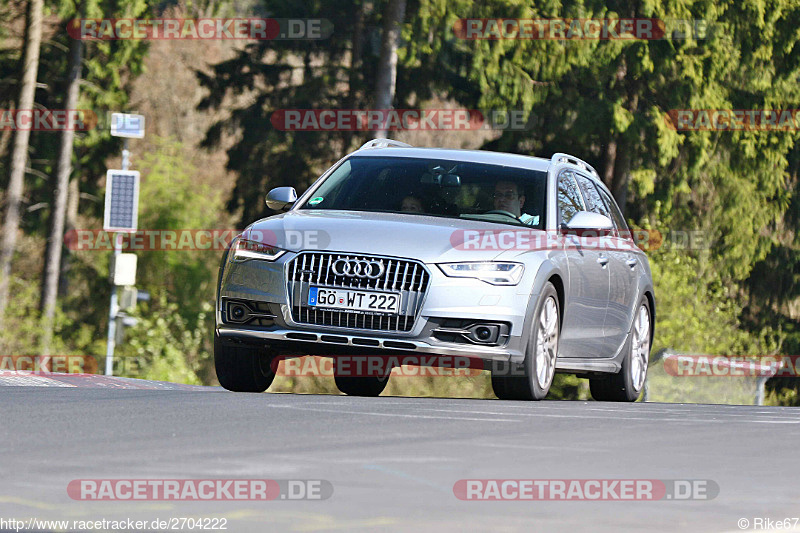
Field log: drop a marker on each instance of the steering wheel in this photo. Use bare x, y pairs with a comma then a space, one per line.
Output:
502, 212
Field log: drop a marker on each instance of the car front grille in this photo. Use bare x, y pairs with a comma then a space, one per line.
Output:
405, 277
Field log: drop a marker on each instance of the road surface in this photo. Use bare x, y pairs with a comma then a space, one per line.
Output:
393, 462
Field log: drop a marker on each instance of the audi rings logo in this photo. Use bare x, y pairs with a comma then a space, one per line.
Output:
359, 268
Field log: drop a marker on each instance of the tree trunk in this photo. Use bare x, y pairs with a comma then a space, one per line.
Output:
622, 171
5, 140
622, 168
355, 68
19, 155
52, 263
386, 79
617, 161
610, 161
71, 224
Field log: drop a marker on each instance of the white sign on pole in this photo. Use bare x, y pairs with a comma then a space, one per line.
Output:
126, 125
123, 270
122, 201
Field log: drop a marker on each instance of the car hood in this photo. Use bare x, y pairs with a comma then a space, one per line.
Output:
429, 239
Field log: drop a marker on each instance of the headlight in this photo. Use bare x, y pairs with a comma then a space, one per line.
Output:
490, 272
244, 249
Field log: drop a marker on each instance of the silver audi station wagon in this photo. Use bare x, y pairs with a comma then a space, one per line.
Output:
522, 264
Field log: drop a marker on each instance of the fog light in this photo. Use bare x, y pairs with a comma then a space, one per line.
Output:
238, 312
483, 333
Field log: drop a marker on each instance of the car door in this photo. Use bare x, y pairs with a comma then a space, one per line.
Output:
622, 283
587, 293
625, 268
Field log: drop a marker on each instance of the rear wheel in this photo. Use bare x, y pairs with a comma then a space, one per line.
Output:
361, 386
242, 368
532, 379
627, 384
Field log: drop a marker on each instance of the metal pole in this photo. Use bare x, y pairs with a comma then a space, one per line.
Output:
113, 307
112, 319
125, 154
761, 390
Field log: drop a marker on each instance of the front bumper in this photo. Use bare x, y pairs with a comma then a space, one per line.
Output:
298, 342
447, 301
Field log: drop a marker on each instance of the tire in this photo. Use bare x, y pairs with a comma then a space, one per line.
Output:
532, 379
502, 385
242, 368
627, 384
361, 386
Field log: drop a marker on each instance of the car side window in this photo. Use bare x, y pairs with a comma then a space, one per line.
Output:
569, 198
592, 196
616, 214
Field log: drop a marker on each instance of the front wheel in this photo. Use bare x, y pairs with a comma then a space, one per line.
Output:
534, 377
242, 368
627, 384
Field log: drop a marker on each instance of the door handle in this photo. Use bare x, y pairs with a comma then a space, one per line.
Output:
602, 260
631, 263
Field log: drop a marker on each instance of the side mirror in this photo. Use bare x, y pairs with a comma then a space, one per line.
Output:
586, 220
281, 198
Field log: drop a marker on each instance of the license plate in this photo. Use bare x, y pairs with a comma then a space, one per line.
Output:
350, 300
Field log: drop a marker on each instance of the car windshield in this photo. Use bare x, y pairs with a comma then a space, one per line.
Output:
453, 189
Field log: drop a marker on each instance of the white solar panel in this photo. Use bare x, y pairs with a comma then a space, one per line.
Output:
122, 201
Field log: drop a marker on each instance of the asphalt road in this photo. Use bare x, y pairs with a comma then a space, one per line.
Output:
393, 462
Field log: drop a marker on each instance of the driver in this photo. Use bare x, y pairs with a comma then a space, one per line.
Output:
508, 198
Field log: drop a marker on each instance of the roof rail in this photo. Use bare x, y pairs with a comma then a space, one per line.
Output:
384, 143
571, 159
